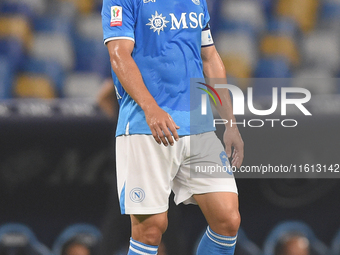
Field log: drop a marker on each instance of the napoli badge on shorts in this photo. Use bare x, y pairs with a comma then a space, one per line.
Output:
137, 195
196, 2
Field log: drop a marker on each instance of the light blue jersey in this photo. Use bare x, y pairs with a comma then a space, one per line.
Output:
168, 40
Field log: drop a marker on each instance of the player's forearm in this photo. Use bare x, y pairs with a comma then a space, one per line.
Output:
106, 98
226, 109
107, 106
213, 68
130, 77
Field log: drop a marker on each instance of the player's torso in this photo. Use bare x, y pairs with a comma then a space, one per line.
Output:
161, 24
170, 16
168, 53
168, 45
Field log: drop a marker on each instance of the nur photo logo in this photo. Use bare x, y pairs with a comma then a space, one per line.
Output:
288, 96
204, 97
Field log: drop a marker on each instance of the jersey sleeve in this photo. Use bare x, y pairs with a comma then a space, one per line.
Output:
206, 38
118, 20
206, 13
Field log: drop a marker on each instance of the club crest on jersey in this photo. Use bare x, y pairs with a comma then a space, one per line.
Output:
116, 16
196, 2
147, 1
157, 22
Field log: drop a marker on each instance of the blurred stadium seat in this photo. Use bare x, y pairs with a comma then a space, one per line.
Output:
53, 70
90, 26
13, 49
282, 27
15, 7
293, 227
330, 16
317, 81
275, 45
17, 27
238, 67
28, 8
319, 49
231, 26
69, 32
84, 233
34, 86
276, 68
84, 6
60, 8
91, 53
56, 47
272, 67
92, 56
237, 44
6, 76
55, 24
82, 85
19, 239
246, 12
330, 10
303, 11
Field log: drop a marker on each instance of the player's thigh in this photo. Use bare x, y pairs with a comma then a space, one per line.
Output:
144, 173
215, 191
216, 204
206, 152
221, 210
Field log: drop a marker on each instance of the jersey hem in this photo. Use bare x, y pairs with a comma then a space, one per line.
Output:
203, 46
186, 199
145, 211
180, 134
117, 38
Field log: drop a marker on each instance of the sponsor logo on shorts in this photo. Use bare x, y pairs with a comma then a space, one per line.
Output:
137, 195
116, 16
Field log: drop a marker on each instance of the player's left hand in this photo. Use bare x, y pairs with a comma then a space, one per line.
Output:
232, 138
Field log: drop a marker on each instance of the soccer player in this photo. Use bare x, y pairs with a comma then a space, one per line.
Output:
156, 47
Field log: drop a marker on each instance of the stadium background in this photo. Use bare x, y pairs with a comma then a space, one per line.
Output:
56, 146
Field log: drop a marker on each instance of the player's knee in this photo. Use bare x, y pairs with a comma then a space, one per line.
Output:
234, 222
151, 232
228, 222
161, 224
153, 235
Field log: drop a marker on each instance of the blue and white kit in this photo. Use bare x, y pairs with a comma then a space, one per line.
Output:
168, 37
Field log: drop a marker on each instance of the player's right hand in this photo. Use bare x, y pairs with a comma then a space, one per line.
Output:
162, 126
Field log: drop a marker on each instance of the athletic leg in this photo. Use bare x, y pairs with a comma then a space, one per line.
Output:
216, 194
147, 231
221, 212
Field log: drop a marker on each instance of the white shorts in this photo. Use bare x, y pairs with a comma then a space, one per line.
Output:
147, 171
